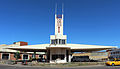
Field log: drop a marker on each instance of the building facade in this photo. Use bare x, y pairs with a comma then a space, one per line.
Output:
114, 53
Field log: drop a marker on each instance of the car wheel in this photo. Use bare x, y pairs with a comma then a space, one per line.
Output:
113, 64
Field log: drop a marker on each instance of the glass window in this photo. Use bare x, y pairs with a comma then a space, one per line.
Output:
56, 41
60, 41
25, 57
63, 41
40, 56
5, 56
52, 41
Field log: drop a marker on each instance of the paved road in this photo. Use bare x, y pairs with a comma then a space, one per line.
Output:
82, 67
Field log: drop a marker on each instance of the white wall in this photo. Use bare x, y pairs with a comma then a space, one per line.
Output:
57, 51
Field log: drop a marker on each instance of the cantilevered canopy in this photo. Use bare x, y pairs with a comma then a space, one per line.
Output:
88, 48
73, 47
31, 48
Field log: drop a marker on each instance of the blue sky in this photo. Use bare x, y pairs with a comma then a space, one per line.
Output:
94, 22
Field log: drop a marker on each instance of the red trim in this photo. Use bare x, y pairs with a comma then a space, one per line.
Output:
58, 29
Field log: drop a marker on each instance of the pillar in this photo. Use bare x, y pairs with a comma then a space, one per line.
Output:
48, 55
34, 55
69, 56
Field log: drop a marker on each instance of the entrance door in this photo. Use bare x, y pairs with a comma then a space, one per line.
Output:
58, 56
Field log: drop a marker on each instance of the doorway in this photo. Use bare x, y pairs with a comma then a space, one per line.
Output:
5, 56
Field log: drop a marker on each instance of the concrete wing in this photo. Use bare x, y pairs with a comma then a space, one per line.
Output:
88, 48
4, 48
31, 48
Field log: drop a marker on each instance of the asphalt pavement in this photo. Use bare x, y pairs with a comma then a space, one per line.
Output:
38, 67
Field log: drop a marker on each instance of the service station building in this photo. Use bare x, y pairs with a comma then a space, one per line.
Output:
59, 51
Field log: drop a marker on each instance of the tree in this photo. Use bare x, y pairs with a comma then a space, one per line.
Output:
17, 55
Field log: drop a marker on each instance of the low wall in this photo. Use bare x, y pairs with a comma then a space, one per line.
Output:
72, 64
88, 63
44, 64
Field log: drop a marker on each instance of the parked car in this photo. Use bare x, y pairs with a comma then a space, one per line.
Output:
80, 59
113, 62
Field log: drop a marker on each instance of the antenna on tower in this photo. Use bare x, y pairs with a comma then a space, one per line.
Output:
56, 8
62, 8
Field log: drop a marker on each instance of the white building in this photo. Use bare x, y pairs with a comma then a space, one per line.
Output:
59, 51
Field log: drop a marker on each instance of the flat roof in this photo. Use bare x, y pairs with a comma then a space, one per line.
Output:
73, 47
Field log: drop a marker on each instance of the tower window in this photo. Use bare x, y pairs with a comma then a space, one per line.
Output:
60, 41
56, 40
63, 42
52, 41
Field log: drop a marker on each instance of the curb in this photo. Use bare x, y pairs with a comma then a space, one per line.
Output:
51, 66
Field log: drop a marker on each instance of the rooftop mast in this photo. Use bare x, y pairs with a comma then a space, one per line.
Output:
62, 8
56, 8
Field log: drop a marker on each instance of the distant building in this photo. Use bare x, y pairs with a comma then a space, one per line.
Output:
114, 53
94, 55
8, 54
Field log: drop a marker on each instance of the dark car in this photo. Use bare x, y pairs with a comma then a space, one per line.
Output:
80, 59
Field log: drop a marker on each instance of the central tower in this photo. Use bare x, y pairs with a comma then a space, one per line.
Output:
57, 50
58, 38
59, 24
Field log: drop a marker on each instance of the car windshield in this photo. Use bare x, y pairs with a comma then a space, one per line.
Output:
114, 60
111, 60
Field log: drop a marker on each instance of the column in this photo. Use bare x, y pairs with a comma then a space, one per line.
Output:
48, 55
34, 56
69, 55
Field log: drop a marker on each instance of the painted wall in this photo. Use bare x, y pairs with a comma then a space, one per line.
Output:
57, 51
